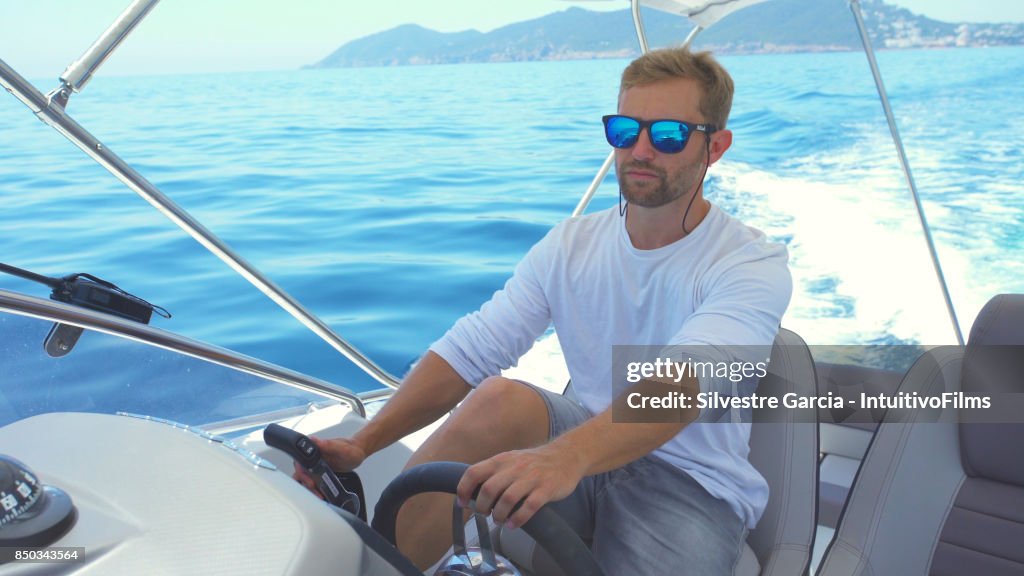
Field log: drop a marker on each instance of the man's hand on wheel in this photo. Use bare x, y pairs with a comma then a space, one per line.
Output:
528, 479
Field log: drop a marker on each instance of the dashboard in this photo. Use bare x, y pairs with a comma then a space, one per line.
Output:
153, 497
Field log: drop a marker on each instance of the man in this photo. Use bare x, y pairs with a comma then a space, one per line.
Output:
668, 269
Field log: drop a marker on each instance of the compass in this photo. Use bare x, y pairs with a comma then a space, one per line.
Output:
31, 514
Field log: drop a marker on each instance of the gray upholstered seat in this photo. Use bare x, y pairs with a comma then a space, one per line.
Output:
937, 495
784, 449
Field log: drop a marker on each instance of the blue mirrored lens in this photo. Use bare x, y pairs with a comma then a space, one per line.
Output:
622, 131
669, 137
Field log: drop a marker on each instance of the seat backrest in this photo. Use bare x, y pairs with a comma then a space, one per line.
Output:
934, 495
784, 449
984, 531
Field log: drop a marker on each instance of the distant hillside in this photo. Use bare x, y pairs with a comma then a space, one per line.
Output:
575, 33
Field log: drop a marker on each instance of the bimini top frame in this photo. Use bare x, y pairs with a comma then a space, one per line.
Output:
705, 13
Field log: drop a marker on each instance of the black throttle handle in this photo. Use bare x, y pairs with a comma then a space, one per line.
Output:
307, 454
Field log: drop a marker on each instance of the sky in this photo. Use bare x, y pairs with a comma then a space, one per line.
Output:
39, 38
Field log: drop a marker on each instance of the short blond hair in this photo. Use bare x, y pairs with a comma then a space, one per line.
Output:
670, 63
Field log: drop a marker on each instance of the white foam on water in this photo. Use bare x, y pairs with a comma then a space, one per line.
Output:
543, 365
861, 269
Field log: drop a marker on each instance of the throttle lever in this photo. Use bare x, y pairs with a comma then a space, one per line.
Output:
307, 454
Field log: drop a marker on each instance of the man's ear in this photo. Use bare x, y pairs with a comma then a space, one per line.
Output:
720, 142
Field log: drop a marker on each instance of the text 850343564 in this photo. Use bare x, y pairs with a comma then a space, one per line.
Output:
55, 554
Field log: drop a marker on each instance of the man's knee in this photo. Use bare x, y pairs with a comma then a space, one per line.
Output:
498, 394
500, 406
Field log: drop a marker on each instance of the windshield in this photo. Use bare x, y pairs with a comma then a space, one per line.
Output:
110, 374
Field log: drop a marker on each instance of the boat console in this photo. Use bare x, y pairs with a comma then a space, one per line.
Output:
153, 497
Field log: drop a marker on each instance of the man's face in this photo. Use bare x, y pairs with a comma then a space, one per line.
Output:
646, 176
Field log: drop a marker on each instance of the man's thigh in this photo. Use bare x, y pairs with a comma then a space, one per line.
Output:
647, 517
653, 518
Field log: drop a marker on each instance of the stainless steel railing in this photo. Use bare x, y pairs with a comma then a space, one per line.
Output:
50, 310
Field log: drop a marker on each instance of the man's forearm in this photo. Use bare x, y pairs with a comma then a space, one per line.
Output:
427, 393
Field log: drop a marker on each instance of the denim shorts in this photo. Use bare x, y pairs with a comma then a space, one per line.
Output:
648, 517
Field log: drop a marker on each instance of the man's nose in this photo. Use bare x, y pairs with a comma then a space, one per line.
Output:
643, 149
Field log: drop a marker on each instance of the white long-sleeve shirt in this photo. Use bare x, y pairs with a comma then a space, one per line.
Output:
721, 286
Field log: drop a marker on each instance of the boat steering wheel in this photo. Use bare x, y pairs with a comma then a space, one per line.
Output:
546, 527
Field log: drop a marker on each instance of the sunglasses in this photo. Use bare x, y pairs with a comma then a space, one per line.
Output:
668, 136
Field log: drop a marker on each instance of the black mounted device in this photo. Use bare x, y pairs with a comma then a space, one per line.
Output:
90, 292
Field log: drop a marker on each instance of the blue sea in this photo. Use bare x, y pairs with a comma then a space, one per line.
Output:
391, 201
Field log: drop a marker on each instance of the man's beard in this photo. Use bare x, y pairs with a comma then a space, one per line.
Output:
666, 189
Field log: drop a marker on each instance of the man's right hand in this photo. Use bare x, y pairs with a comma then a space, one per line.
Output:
340, 454
428, 392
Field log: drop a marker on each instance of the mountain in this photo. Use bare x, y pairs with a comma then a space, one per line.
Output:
575, 33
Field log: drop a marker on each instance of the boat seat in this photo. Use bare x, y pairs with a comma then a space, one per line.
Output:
844, 434
783, 448
939, 494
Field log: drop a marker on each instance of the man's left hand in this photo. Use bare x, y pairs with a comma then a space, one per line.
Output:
534, 477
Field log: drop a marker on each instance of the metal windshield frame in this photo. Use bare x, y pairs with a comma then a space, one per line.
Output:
50, 310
